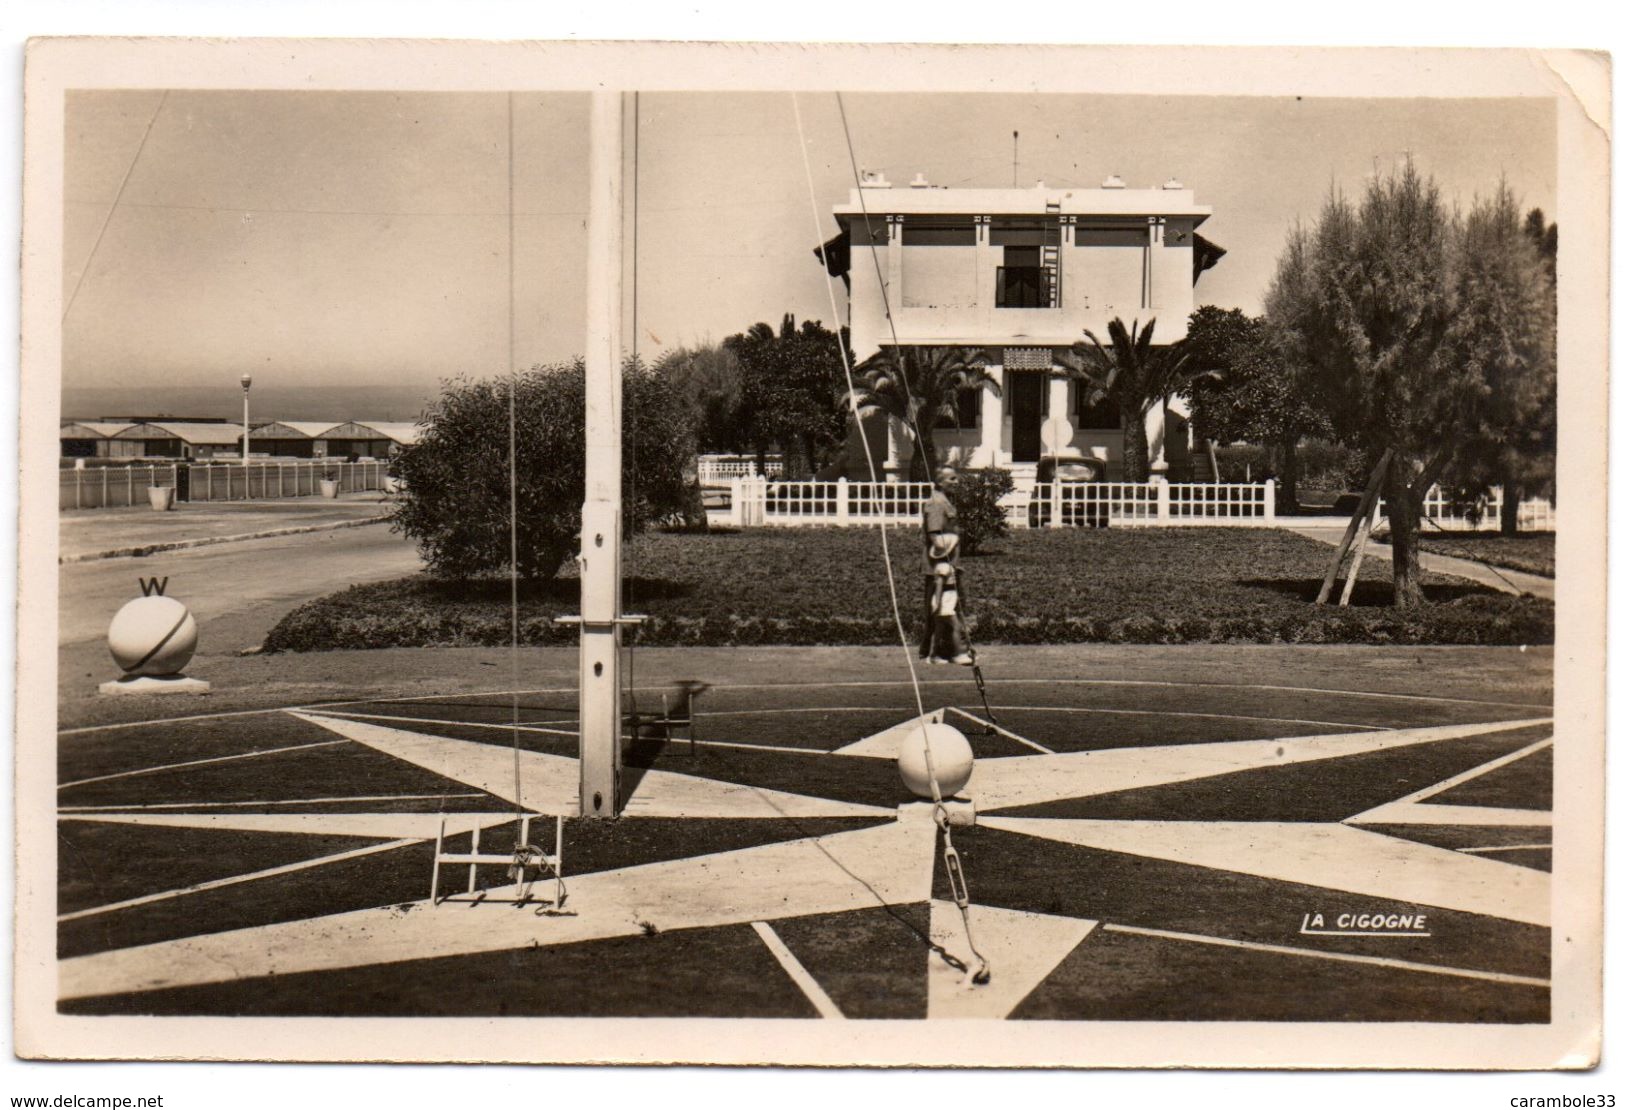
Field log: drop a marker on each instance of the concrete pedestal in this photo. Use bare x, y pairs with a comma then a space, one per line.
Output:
155, 684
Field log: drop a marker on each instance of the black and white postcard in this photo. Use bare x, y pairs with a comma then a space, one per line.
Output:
830, 555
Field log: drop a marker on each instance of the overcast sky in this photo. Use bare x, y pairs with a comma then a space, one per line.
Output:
362, 238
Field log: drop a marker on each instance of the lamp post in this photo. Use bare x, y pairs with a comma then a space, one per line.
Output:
247, 381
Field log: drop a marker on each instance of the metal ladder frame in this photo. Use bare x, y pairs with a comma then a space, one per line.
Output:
475, 859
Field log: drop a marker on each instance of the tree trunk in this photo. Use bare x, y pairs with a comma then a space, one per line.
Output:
924, 463
1404, 521
1287, 500
796, 463
1511, 495
1136, 448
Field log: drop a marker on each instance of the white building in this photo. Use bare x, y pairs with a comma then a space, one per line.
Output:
1017, 274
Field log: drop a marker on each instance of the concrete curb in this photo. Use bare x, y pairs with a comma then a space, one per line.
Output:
206, 541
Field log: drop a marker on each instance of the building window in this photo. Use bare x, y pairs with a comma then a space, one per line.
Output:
1112, 234
1024, 233
1106, 415
967, 412
939, 233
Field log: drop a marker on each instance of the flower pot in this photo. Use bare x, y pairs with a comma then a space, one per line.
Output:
330, 487
161, 498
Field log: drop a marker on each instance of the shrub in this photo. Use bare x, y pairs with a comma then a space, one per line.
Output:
1330, 466
976, 497
456, 503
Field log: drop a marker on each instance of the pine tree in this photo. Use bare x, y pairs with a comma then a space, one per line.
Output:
1505, 339
1365, 302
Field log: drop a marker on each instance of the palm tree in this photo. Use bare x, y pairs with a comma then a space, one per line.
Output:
919, 386
1136, 373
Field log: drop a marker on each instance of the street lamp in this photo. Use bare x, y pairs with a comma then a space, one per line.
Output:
247, 381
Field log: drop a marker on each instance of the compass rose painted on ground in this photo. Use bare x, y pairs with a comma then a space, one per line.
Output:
1123, 865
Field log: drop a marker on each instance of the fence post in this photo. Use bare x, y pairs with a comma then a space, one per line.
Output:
1164, 513
843, 513
78, 488
1269, 501
736, 497
1055, 500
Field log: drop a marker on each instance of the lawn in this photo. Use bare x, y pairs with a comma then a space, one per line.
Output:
828, 586
1531, 552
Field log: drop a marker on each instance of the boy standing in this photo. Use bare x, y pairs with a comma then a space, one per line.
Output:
944, 638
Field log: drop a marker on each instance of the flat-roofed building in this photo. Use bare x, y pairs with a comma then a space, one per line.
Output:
1019, 275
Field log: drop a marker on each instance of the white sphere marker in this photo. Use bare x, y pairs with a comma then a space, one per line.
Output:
950, 754
152, 639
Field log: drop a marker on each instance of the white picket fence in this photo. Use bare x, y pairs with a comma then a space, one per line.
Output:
1151, 504
1534, 514
719, 471
111, 487
758, 502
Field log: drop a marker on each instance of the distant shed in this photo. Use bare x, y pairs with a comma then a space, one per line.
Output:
375, 439
94, 439
182, 440
293, 439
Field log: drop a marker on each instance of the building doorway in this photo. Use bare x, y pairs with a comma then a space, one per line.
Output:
1026, 392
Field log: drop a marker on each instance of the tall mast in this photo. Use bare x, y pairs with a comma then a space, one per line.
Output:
600, 682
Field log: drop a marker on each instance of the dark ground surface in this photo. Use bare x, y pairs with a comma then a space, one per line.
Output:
872, 962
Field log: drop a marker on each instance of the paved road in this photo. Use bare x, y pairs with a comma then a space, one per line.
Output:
88, 532
1496, 578
237, 591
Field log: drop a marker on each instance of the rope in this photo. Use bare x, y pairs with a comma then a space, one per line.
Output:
112, 208
513, 491
950, 855
525, 854
632, 419
117, 197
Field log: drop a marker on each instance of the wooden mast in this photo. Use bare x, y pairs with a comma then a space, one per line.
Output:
600, 680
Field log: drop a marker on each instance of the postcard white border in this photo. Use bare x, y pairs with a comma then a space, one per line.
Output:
1579, 84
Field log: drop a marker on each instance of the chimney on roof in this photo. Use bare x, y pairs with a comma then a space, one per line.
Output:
873, 179
1113, 182
1172, 183
919, 182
